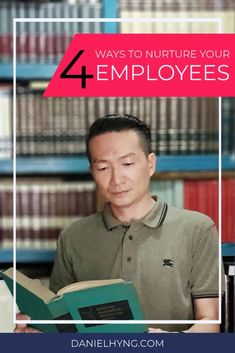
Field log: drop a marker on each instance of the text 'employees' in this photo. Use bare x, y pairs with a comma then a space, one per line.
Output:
163, 73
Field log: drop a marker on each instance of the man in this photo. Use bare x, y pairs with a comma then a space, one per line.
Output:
169, 254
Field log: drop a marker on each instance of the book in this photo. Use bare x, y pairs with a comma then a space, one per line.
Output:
108, 299
5, 124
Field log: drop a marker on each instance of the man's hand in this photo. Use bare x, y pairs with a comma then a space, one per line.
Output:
23, 328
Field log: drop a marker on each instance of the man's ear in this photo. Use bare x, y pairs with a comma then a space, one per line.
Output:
152, 159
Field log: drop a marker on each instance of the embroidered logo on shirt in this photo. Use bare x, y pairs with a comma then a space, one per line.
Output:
168, 262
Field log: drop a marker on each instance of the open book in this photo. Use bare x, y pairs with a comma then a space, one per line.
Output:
110, 299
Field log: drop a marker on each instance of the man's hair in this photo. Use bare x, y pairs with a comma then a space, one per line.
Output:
117, 123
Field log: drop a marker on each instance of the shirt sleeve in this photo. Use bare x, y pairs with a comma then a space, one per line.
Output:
62, 273
205, 266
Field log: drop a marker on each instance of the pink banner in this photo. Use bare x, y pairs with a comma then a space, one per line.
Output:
146, 65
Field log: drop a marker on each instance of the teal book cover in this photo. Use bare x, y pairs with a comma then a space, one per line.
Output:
112, 299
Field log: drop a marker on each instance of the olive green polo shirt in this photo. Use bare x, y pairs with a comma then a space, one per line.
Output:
171, 256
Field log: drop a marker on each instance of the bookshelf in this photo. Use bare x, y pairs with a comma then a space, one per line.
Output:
80, 165
25, 71
44, 71
47, 256
228, 249
27, 256
46, 165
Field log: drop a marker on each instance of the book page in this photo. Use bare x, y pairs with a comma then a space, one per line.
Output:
32, 285
88, 284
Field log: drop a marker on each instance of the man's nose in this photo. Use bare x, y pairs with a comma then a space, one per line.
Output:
116, 176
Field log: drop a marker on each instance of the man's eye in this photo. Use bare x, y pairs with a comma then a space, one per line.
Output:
100, 169
127, 164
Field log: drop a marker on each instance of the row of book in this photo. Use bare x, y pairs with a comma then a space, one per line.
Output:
178, 5
203, 196
58, 126
44, 209
177, 9
44, 42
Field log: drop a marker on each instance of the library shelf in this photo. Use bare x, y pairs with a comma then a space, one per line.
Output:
74, 165
27, 256
228, 249
47, 256
26, 71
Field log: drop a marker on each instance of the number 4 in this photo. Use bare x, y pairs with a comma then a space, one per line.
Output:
83, 76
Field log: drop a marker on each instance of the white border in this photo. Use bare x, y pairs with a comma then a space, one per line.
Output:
118, 20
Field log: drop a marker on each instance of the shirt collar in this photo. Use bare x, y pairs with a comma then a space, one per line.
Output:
153, 219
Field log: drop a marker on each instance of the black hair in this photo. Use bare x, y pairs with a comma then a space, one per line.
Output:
117, 123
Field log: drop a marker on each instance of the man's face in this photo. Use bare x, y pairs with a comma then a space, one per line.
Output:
120, 167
